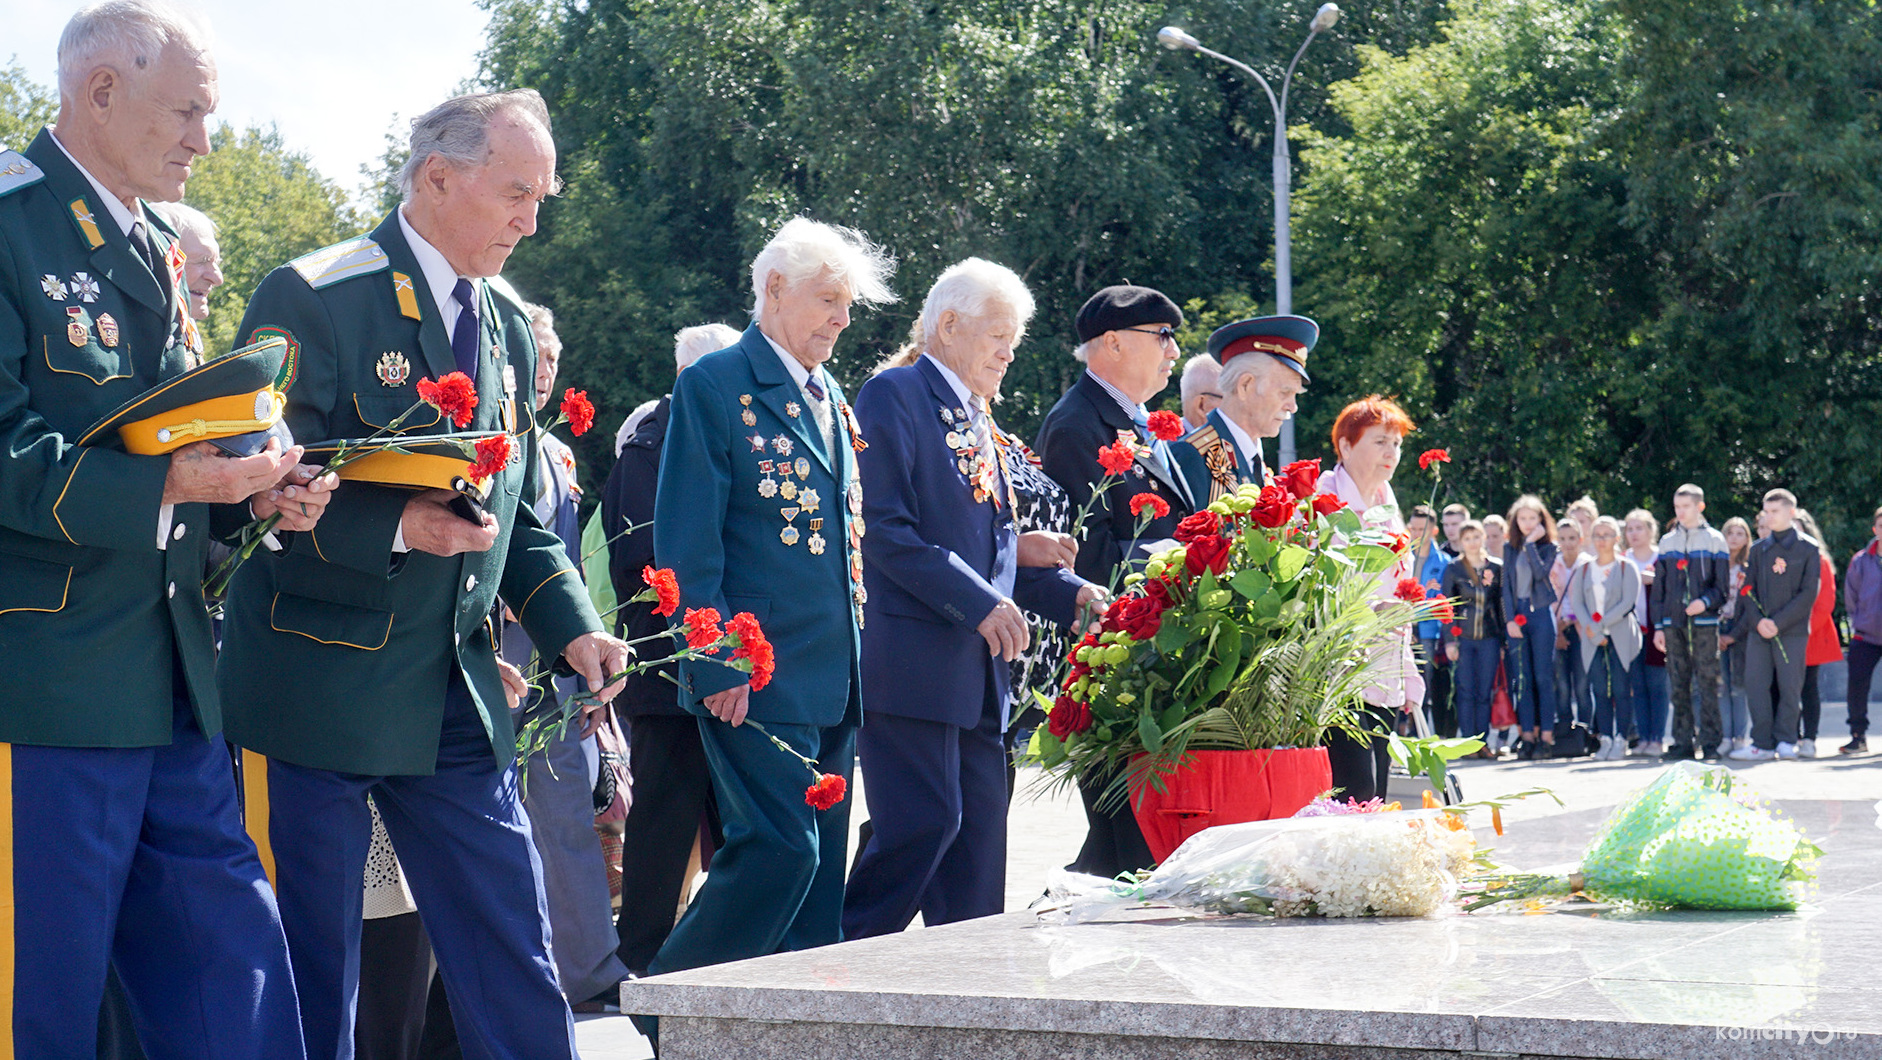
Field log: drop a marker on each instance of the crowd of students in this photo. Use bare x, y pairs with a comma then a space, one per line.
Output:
1587, 635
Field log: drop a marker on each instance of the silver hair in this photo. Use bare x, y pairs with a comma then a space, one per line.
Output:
186, 219
458, 131
1082, 352
1193, 372
690, 344
541, 319
1249, 364
126, 34
972, 288
803, 249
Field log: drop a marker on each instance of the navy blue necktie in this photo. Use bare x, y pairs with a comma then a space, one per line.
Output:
814, 388
464, 335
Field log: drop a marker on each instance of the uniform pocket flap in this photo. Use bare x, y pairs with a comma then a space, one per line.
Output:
32, 585
331, 623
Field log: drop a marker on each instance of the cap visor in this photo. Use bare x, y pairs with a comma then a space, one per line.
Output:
249, 444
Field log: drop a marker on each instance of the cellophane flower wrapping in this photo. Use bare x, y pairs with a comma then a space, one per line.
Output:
1393, 863
1699, 837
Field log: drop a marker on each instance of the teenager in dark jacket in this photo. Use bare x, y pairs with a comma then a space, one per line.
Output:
1691, 577
1529, 620
1474, 636
1774, 622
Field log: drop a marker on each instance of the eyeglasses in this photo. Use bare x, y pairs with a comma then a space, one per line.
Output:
1165, 333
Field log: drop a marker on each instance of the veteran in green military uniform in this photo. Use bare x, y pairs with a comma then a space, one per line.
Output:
123, 842
386, 607
1264, 369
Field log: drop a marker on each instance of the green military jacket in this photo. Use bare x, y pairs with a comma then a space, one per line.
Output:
337, 651
94, 617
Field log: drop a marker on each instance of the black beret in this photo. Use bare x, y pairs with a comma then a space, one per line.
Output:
1125, 306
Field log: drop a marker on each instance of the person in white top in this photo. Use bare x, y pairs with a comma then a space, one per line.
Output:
1603, 595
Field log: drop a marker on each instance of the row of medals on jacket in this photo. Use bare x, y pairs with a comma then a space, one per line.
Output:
971, 460
80, 288
807, 500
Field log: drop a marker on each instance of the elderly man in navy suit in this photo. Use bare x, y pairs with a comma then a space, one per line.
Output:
759, 510
947, 572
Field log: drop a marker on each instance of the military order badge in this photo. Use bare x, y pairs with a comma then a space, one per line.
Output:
107, 330
76, 331
393, 369
750, 417
83, 287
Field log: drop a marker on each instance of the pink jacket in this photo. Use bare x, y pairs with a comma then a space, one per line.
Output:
1399, 677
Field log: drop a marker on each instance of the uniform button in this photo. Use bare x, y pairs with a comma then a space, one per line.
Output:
470, 583
171, 591
177, 534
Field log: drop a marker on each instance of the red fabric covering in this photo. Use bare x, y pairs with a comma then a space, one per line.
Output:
1229, 787
1826, 646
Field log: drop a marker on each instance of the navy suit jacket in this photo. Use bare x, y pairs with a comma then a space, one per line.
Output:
936, 560
723, 538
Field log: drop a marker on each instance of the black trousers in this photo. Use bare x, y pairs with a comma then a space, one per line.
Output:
395, 973
1361, 767
1862, 659
672, 795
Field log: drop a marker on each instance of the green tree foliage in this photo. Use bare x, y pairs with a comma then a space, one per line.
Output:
270, 206
1611, 246
25, 107
1054, 137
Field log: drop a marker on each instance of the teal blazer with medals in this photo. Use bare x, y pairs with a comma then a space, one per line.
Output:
372, 636
735, 544
85, 593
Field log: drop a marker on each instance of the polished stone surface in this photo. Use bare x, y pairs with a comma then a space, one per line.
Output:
1582, 981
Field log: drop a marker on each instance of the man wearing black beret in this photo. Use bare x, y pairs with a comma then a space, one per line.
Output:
1127, 341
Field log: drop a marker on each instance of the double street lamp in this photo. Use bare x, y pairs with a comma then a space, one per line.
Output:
1323, 19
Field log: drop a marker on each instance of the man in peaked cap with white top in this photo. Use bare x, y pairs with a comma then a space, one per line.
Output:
1264, 367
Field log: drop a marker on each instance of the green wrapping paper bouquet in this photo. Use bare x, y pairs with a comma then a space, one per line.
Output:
1697, 837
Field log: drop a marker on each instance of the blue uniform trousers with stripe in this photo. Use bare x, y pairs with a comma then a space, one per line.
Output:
136, 857
464, 843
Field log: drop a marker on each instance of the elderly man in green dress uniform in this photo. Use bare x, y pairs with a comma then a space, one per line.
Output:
387, 607
120, 832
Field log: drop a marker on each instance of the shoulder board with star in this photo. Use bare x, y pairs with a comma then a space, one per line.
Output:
17, 171
342, 261
1202, 438
502, 289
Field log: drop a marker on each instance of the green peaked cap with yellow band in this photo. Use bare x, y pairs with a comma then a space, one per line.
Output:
417, 461
231, 401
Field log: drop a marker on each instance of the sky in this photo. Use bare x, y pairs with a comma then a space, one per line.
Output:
332, 75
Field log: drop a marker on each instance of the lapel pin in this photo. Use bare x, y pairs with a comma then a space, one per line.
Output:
107, 330
84, 288
392, 369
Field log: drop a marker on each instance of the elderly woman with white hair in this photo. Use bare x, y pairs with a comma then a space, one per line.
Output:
759, 513
947, 572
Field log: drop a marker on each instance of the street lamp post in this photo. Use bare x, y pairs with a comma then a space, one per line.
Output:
1323, 19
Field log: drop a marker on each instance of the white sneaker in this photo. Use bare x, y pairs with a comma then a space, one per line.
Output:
1786, 750
1806, 748
1739, 743
1606, 749
1752, 753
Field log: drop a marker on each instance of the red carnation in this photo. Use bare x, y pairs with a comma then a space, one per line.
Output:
1202, 524
1273, 508
1211, 553
1157, 505
1116, 458
666, 589
702, 627
1457, 631
1301, 478
1409, 590
1166, 426
1746, 591
1327, 504
1444, 612
1433, 456
1597, 616
826, 792
1399, 543
1068, 717
454, 395
1681, 564
1521, 621
579, 410
492, 454
753, 645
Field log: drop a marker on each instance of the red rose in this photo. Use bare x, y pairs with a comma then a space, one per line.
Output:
1211, 553
1409, 590
702, 627
1433, 456
666, 589
492, 454
1137, 617
1521, 621
1166, 426
1680, 565
1273, 508
1116, 458
1157, 505
1457, 631
1068, 717
1597, 616
1327, 504
1158, 589
454, 395
579, 410
1301, 478
1202, 524
826, 792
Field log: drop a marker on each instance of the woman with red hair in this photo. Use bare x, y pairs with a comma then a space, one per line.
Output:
1368, 436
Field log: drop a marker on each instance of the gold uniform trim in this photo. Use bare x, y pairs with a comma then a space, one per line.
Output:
255, 810
408, 298
45, 345
318, 640
62, 492
221, 417
407, 469
538, 588
64, 595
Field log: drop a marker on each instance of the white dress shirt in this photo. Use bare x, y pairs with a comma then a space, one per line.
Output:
820, 410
